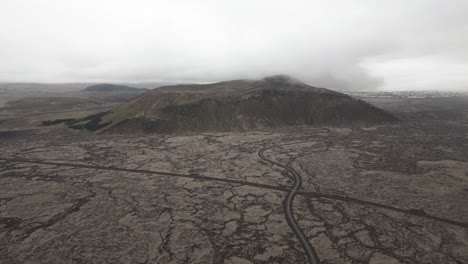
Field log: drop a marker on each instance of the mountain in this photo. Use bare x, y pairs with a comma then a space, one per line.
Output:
238, 105
112, 88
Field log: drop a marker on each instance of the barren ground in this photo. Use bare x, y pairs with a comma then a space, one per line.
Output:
386, 194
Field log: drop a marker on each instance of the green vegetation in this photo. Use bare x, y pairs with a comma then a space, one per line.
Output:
91, 122
57, 121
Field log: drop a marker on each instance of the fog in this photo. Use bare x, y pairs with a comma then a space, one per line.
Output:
389, 45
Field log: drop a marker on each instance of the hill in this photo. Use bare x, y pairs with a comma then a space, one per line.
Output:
238, 105
112, 88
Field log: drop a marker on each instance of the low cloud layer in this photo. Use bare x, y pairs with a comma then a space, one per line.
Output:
400, 44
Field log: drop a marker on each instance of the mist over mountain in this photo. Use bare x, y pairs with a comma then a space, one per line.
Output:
359, 45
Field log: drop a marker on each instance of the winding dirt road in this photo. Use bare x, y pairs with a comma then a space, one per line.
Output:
288, 203
414, 212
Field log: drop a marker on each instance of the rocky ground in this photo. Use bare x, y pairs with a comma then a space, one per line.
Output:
387, 194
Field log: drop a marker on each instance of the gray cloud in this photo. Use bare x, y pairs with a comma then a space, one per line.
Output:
362, 44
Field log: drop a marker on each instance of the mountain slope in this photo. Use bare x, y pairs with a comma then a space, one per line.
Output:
238, 106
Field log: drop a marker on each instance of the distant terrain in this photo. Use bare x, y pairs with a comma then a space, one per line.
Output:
112, 88
24, 105
112, 92
46, 104
15, 91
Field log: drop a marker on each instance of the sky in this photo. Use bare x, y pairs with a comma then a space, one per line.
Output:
338, 44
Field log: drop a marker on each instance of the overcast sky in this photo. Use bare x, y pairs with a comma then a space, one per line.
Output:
359, 44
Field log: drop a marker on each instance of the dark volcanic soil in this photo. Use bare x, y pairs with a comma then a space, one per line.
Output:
383, 194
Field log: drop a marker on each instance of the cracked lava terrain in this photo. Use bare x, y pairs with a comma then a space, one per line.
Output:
388, 194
